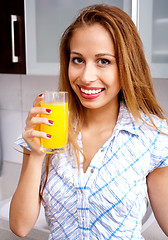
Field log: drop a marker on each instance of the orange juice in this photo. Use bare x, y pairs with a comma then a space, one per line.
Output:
59, 130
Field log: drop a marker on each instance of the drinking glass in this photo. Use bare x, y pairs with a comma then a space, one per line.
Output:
57, 102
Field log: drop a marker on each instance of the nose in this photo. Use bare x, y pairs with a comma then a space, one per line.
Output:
89, 73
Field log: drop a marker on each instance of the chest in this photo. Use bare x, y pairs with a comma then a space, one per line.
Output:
91, 145
116, 186
116, 171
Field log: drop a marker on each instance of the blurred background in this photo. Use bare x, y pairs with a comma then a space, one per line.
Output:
29, 64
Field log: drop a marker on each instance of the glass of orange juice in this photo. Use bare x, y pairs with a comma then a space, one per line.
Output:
57, 102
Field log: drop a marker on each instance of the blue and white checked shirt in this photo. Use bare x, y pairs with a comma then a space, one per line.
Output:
110, 199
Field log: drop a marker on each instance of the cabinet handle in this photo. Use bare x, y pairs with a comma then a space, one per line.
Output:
14, 19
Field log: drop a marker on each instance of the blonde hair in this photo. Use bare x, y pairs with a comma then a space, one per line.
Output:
136, 83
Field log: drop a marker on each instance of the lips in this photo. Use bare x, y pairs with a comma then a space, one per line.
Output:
90, 92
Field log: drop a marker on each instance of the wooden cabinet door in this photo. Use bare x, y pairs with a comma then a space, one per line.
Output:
12, 37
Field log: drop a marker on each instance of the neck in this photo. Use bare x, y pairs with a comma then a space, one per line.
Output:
102, 118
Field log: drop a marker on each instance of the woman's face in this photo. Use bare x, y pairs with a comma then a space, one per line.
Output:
93, 71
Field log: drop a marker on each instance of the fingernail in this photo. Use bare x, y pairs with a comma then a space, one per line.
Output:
48, 110
41, 95
50, 121
48, 135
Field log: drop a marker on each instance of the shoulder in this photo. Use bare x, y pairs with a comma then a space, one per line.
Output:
151, 131
155, 138
147, 126
153, 127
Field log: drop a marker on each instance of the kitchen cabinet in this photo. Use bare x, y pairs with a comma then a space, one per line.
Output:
12, 37
153, 29
35, 27
31, 32
39, 24
45, 22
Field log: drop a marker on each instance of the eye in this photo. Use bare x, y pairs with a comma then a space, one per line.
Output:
77, 60
103, 61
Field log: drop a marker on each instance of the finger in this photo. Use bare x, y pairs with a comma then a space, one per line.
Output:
37, 121
29, 135
36, 111
38, 99
33, 138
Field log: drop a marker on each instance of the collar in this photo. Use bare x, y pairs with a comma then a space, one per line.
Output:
126, 121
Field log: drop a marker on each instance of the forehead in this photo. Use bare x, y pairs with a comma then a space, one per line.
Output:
92, 37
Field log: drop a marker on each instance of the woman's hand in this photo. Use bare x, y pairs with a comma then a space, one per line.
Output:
32, 134
26, 202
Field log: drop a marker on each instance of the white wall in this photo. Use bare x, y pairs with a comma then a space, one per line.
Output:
17, 93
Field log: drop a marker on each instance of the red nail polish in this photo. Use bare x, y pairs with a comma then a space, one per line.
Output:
50, 121
48, 110
41, 95
48, 135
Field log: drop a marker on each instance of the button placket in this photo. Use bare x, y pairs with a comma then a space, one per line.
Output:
83, 211
86, 216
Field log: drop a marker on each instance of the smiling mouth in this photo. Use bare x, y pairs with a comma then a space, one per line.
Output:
91, 91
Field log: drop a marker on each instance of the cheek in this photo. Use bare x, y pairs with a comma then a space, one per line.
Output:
71, 74
112, 79
72, 78
117, 81
117, 86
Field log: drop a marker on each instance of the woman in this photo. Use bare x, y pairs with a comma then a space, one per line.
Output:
117, 154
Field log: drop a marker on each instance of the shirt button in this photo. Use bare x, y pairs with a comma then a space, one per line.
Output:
92, 170
102, 150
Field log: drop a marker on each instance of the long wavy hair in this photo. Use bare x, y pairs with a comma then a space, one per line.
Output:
136, 83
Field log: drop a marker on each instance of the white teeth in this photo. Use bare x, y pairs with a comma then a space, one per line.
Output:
90, 91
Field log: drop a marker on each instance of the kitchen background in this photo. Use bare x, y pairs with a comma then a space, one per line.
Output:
44, 23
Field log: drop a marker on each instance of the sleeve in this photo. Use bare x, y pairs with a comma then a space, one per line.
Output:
159, 155
20, 142
43, 177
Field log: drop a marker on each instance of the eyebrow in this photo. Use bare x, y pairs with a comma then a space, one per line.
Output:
97, 55
76, 53
104, 54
